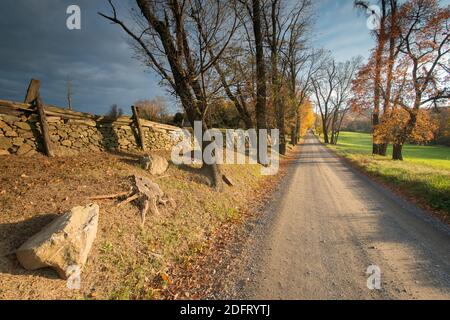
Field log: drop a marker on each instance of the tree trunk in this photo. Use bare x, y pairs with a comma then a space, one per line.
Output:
390, 70
297, 129
216, 176
377, 80
326, 138
281, 127
397, 153
261, 90
375, 123
276, 85
337, 137
213, 169
382, 149
293, 136
138, 126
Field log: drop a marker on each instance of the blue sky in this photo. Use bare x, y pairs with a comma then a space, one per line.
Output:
342, 29
98, 58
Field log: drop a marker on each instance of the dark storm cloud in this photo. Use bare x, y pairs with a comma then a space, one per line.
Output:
98, 59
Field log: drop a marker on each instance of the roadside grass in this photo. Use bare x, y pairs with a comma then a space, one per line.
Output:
424, 174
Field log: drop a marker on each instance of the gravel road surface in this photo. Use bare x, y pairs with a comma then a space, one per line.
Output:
328, 225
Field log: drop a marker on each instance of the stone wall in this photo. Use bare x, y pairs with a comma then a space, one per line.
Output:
72, 132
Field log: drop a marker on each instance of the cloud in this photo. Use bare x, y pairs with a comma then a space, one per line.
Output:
97, 58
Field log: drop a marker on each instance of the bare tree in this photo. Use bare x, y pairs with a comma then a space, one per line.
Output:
169, 36
346, 73
153, 110
233, 77
115, 111
324, 84
261, 87
286, 24
69, 94
301, 66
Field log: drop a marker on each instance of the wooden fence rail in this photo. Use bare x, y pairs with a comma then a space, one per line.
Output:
34, 109
19, 108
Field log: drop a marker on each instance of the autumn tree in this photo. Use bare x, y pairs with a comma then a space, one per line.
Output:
385, 33
421, 77
307, 117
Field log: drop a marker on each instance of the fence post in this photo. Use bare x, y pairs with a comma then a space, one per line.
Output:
33, 96
138, 126
44, 127
32, 91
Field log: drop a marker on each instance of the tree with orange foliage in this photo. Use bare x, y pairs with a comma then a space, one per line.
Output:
377, 57
307, 117
377, 75
421, 79
415, 75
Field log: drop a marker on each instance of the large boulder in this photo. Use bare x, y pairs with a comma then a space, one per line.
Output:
64, 244
155, 164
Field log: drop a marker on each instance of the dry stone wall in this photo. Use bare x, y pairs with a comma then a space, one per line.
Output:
20, 134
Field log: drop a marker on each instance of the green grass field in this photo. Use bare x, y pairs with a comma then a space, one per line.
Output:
425, 173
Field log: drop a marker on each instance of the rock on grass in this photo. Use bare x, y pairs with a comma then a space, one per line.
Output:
64, 244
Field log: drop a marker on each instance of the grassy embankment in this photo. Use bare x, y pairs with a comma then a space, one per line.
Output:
424, 175
126, 261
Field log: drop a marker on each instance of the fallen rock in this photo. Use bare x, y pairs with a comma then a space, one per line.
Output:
155, 164
63, 244
4, 153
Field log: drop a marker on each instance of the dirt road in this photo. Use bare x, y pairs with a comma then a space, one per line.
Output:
330, 224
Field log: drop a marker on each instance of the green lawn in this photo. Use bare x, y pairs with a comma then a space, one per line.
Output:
425, 173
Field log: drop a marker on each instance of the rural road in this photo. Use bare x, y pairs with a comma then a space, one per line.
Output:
330, 224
